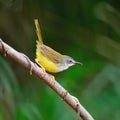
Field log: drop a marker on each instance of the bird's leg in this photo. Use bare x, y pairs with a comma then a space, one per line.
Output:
52, 80
43, 69
44, 73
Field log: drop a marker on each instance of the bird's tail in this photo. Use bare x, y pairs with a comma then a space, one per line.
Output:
38, 31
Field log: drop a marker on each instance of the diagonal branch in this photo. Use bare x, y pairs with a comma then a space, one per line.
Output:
37, 71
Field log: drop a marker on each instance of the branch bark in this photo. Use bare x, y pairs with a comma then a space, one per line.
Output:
22, 59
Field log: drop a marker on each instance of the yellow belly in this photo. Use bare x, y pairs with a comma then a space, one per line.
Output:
45, 62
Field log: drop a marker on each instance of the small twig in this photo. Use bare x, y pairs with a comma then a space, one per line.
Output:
22, 59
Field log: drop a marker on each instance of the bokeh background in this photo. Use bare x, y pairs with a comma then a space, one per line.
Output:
87, 30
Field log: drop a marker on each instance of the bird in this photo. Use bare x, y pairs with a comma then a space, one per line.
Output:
49, 59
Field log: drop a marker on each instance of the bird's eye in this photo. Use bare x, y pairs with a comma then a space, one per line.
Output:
70, 61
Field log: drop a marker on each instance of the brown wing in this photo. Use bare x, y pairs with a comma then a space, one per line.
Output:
51, 54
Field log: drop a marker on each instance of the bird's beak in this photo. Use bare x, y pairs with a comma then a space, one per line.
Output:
78, 62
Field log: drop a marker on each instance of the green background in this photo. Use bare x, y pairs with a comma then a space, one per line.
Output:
88, 31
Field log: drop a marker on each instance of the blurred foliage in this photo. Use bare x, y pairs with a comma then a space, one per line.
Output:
89, 31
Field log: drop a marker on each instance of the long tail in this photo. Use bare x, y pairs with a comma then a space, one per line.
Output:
38, 31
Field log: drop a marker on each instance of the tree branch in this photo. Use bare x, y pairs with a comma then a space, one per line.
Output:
37, 71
